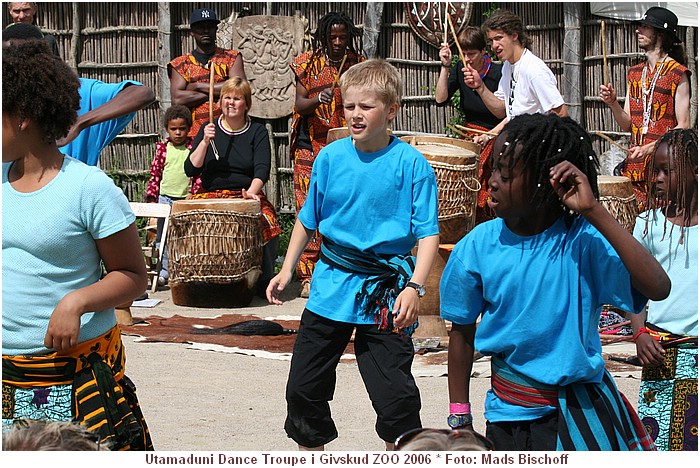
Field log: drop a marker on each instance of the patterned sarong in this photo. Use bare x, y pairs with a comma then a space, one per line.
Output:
668, 394
268, 221
388, 275
86, 384
303, 163
591, 416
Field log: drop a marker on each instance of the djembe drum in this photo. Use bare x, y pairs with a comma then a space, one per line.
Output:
336, 134
456, 166
214, 252
617, 196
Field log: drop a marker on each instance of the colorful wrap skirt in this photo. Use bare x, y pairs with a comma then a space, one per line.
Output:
85, 384
668, 394
591, 416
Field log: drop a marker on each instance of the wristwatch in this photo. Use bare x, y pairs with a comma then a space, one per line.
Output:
420, 289
455, 421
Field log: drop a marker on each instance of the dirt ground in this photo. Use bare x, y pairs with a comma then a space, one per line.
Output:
209, 398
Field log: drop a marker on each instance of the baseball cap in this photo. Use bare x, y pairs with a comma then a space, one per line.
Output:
203, 14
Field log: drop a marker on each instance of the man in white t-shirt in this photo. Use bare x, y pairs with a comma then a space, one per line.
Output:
527, 84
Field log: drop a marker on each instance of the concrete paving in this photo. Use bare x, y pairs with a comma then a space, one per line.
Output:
205, 400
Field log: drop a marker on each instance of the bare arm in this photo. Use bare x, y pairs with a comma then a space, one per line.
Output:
199, 154
682, 103
622, 116
460, 359
441, 89
560, 111
649, 351
125, 279
407, 305
305, 105
297, 243
128, 100
646, 274
495, 105
190, 95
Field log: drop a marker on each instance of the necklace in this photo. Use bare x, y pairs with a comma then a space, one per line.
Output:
335, 63
648, 93
227, 128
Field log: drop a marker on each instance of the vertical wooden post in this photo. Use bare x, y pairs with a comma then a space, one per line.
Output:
273, 182
571, 54
372, 28
75, 43
164, 53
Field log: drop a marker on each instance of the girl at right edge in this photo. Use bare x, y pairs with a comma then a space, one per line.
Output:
667, 344
538, 276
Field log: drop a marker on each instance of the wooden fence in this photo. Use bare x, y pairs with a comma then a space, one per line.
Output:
115, 41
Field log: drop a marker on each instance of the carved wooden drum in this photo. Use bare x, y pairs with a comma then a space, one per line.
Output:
337, 134
617, 196
214, 252
456, 166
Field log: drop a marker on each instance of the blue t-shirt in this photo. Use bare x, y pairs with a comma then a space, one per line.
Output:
379, 202
48, 250
88, 145
678, 313
539, 298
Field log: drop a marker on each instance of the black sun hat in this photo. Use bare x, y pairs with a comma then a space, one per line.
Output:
660, 18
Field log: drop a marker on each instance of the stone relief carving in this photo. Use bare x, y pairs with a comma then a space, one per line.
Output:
268, 45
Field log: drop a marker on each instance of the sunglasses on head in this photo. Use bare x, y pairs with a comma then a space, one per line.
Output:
478, 441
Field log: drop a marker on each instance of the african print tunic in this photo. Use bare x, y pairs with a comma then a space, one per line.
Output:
660, 100
316, 73
194, 72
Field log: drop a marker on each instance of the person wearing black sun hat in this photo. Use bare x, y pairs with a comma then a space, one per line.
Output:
658, 94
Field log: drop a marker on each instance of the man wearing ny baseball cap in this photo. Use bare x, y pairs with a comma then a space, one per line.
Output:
190, 73
658, 94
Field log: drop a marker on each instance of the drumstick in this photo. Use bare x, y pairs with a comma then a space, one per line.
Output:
458, 132
211, 92
447, 13
211, 106
474, 130
605, 54
454, 34
613, 142
340, 70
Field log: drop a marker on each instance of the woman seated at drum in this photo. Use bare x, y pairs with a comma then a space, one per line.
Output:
237, 165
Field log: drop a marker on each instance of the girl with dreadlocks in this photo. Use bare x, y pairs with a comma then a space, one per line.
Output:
667, 344
538, 276
318, 108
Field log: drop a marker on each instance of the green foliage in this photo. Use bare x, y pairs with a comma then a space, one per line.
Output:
286, 221
491, 9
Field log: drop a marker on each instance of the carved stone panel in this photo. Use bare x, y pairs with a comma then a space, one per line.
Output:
268, 45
